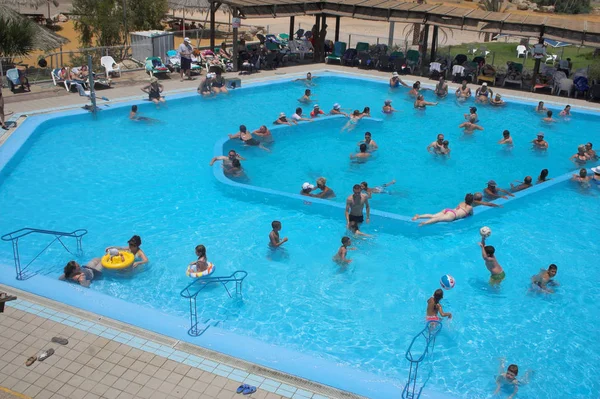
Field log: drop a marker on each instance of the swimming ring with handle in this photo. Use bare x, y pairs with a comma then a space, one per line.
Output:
121, 261
209, 270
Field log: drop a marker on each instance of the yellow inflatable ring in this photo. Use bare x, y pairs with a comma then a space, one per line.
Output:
121, 261
209, 270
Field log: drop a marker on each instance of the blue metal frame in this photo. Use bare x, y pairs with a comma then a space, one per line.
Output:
432, 328
14, 236
193, 289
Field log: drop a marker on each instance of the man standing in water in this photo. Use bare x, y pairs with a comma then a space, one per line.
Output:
487, 253
354, 206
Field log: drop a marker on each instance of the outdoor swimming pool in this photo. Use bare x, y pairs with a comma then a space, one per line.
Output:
117, 178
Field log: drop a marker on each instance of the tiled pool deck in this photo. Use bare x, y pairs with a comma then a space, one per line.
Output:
108, 359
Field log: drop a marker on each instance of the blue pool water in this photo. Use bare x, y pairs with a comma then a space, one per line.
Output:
117, 178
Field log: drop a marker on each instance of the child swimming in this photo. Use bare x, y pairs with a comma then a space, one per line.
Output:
509, 379
434, 307
274, 241
545, 279
340, 256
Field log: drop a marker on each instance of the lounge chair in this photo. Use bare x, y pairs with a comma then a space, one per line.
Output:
174, 61
413, 59
458, 73
364, 60
339, 48
349, 57
154, 66
362, 46
15, 78
67, 83
299, 34
514, 74
487, 74
110, 65
581, 86
550, 57
435, 70
85, 93
594, 92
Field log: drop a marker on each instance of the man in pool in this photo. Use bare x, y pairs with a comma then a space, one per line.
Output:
539, 143
371, 144
441, 89
436, 146
354, 206
298, 116
463, 91
478, 200
549, 118
496, 271
434, 307
493, 192
523, 185
337, 110
545, 279
361, 156
133, 115
227, 160
306, 97
506, 139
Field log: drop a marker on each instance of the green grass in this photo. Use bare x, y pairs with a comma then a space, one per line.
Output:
503, 52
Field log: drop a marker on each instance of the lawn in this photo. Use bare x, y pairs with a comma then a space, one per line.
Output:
581, 57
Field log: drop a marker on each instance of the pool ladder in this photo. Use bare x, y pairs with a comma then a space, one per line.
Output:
427, 336
22, 271
198, 285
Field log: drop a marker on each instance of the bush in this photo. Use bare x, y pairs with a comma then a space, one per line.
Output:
567, 6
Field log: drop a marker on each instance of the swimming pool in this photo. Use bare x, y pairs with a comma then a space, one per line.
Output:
117, 178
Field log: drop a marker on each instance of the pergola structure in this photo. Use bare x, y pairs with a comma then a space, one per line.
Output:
563, 28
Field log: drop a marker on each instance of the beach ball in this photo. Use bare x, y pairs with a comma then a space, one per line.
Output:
485, 231
447, 282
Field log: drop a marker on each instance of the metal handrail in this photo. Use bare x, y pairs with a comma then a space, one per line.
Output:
14, 237
192, 290
429, 333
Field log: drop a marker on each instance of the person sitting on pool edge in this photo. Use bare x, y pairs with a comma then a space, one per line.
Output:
134, 245
326, 192
493, 192
154, 90
434, 307
395, 81
83, 275
462, 210
525, 184
496, 271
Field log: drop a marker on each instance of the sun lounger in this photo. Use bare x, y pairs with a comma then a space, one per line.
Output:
154, 65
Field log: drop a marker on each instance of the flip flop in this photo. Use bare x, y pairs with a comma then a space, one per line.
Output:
60, 340
30, 361
249, 391
45, 355
242, 388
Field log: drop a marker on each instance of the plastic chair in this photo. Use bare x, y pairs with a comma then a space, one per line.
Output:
550, 57
458, 72
521, 51
362, 46
299, 34
339, 48
565, 85
110, 65
16, 79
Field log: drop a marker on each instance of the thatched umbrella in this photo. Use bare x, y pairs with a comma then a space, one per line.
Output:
43, 39
194, 5
29, 3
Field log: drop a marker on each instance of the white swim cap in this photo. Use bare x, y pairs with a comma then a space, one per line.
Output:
113, 252
307, 186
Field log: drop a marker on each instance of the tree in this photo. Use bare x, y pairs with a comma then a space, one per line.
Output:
16, 37
146, 14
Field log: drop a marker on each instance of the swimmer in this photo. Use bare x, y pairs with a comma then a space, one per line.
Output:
354, 206
227, 159
134, 245
434, 307
306, 189
246, 137
497, 100
525, 184
364, 186
133, 115
566, 111
420, 102
274, 241
582, 177
354, 118
506, 139
308, 81
395, 81
200, 264
472, 115
496, 271
337, 110
340, 256
298, 116
326, 192
83, 275
316, 111
493, 192
415, 89
445, 150
462, 210
545, 279
387, 107
283, 120
436, 146
306, 97
441, 88
509, 379
264, 133
580, 157
539, 143
589, 150
363, 155
371, 144
548, 118
234, 169
543, 176
366, 112
463, 91
540, 107
482, 93
469, 127
478, 200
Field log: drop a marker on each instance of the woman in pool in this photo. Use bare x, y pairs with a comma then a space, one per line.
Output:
354, 118
415, 89
154, 89
247, 138
82, 275
387, 107
470, 127
581, 157
482, 94
540, 107
364, 186
463, 210
566, 111
134, 245
420, 102
543, 177
366, 112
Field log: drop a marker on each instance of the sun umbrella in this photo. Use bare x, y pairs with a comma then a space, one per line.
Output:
556, 43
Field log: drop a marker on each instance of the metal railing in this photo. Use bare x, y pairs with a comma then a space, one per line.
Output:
198, 285
428, 334
22, 271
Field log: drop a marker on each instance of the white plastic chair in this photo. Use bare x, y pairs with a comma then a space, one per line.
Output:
565, 85
484, 51
521, 51
435, 66
110, 65
550, 57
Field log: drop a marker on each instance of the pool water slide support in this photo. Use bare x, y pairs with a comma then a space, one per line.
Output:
22, 271
428, 335
192, 290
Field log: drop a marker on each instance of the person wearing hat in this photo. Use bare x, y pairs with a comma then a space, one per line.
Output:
154, 89
206, 85
326, 192
493, 192
298, 116
482, 94
306, 189
441, 88
283, 120
539, 143
185, 53
580, 157
387, 107
596, 176
337, 110
316, 111
395, 81
497, 100
463, 91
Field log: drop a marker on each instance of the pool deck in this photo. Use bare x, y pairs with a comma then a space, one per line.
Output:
134, 363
